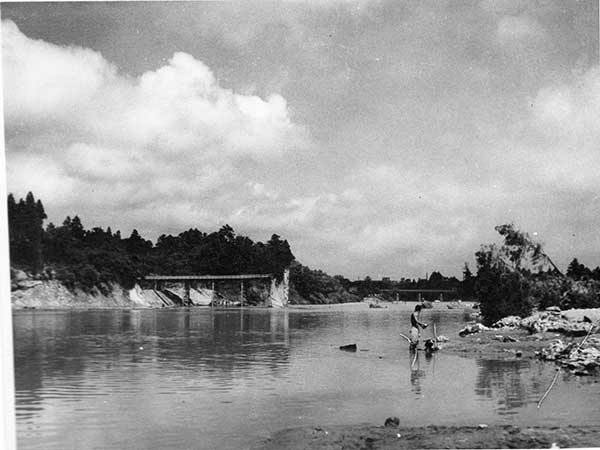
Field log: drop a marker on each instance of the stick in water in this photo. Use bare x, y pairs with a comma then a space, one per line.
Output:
405, 337
592, 326
548, 390
416, 354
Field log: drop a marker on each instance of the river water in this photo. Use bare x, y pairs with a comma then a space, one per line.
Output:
225, 379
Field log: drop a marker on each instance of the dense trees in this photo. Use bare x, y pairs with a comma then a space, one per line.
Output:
26, 232
93, 259
315, 286
578, 271
387, 288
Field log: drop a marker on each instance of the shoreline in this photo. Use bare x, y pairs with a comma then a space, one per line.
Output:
379, 437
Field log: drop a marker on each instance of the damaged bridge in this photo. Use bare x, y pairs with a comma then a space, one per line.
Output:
202, 290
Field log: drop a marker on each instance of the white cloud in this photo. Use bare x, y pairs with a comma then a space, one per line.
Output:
513, 29
81, 133
570, 108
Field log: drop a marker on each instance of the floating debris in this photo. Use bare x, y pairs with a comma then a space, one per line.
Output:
392, 422
348, 348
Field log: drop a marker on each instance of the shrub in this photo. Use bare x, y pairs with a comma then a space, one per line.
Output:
502, 293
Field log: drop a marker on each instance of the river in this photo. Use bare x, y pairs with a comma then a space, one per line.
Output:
225, 379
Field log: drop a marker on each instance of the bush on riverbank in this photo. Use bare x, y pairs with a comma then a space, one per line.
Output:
316, 287
517, 276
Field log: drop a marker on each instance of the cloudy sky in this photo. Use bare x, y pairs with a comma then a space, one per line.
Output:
381, 138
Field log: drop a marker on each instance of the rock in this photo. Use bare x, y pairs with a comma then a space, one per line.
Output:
28, 284
508, 322
376, 305
392, 422
18, 275
472, 329
482, 426
509, 339
582, 360
348, 348
552, 309
570, 325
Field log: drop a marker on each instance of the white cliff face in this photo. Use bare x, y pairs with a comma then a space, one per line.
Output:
280, 292
51, 294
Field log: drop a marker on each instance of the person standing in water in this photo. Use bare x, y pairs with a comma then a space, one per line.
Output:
415, 324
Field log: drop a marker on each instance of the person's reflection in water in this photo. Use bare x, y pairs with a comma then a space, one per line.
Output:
416, 374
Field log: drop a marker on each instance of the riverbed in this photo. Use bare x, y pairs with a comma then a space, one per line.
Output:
228, 379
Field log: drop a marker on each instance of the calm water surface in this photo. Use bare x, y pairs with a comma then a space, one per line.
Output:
203, 379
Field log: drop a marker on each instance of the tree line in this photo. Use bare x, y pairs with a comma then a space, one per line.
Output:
512, 278
97, 258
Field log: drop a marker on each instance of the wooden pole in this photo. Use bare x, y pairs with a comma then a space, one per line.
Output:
415, 358
242, 293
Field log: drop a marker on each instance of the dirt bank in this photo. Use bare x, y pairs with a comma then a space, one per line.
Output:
388, 438
37, 294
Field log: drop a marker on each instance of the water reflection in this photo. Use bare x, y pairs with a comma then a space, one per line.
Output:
512, 384
69, 355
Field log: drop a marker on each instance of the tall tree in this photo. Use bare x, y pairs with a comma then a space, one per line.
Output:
26, 220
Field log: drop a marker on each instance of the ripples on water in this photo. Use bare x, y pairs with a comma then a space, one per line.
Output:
223, 379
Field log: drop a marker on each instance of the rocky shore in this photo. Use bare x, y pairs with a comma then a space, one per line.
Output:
568, 338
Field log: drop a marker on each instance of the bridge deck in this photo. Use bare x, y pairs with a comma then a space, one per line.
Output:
418, 290
207, 277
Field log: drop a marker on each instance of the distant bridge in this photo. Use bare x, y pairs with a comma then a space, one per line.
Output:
421, 291
207, 277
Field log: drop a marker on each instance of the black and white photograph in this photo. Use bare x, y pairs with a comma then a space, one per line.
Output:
304, 224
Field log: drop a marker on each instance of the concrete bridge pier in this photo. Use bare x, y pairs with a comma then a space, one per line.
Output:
186, 293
